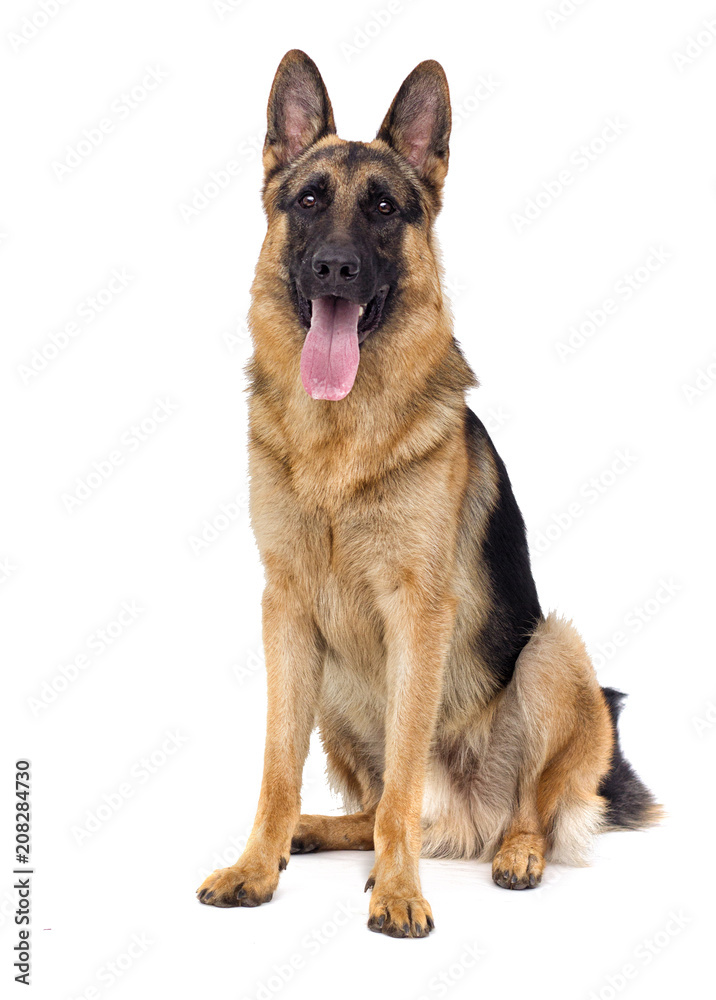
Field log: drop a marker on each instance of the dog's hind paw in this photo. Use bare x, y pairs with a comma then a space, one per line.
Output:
518, 865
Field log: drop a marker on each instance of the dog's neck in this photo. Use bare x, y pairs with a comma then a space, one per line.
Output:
397, 411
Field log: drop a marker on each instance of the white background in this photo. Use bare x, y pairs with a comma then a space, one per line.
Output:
189, 663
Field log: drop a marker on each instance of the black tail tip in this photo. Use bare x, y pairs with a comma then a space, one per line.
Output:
630, 804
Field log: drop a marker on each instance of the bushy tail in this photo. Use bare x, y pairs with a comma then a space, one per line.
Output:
631, 806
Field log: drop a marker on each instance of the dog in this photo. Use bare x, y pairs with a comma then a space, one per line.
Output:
400, 615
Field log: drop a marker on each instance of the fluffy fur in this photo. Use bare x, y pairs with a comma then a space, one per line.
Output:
400, 612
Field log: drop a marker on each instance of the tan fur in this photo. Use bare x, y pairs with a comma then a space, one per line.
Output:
334, 833
365, 513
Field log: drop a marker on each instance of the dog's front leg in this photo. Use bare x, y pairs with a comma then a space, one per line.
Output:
418, 628
293, 667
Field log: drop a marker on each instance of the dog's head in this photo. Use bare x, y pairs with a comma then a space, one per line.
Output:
350, 217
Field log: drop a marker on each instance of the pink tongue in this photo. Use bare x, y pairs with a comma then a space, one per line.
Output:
330, 355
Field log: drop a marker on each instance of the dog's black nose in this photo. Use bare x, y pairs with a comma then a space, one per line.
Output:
335, 266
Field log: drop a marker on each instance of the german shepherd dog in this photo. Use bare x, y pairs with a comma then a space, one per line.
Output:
400, 614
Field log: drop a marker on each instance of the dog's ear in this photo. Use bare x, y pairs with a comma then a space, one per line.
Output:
299, 110
418, 122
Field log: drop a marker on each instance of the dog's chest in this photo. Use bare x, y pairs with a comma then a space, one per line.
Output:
344, 600
354, 675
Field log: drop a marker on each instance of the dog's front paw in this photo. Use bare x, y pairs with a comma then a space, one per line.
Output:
240, 885
398, 914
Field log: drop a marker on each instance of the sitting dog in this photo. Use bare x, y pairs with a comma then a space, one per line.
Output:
400, 615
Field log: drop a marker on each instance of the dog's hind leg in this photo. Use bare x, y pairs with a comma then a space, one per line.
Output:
564, 740
334, 833
520, 860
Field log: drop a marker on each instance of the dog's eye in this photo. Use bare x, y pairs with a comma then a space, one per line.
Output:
307, 200
386, 207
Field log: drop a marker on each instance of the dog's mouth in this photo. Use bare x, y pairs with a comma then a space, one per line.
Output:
336, 329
